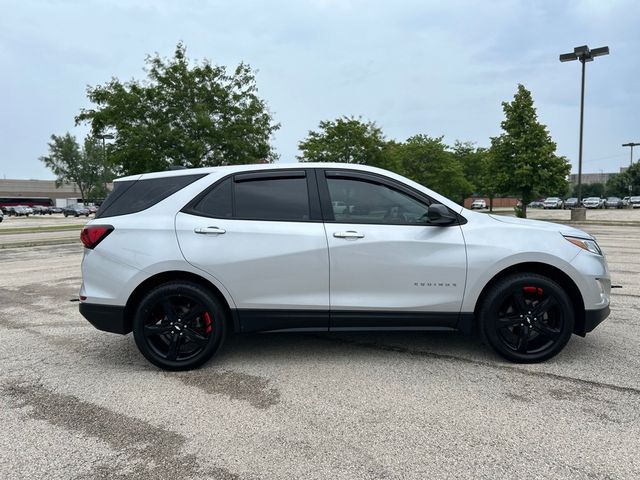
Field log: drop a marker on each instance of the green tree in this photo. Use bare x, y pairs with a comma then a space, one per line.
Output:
84, 167
524, 155
477, 167
428, 161
626, 183
348, 140
184, 115
590, 190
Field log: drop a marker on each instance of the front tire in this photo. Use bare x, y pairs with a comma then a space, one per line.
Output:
526, 318
179, 326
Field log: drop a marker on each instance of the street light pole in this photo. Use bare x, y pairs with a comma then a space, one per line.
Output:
631, 144
584, 54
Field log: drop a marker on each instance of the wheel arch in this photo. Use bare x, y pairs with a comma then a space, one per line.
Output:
172, 276
555, 274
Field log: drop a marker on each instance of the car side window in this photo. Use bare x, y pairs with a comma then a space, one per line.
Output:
359, 201
217, 202
285, 199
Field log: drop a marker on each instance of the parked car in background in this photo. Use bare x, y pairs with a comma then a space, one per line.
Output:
571, 203
536, 204
478, 204
613, 202
76, 210
21, 211
1, 215
634, 202
92, 208
593, 202
41, 210
553, 203
55, 209
625, 201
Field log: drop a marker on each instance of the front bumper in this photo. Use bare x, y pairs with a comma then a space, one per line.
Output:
108, 318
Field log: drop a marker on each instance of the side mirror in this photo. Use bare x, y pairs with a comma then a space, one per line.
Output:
440, 215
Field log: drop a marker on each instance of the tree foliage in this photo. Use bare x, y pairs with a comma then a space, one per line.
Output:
347, 140
428, 161
524, 155
626, 183
182, 114
84, 167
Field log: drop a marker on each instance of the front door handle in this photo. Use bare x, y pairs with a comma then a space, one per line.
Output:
209, 230
348, 234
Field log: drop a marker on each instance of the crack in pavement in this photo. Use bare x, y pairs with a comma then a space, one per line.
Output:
444, 356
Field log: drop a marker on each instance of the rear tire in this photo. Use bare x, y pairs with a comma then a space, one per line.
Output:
526, 318
179, 326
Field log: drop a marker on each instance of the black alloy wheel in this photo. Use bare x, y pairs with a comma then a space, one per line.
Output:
527, 318
179, 326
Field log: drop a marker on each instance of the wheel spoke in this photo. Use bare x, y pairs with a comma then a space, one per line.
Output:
546, 330
519, 302
196, 337
151, 330
194, 313
174, 346
509, 321
544, 306
523, 340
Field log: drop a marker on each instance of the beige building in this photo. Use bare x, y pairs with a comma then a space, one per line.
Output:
37, 188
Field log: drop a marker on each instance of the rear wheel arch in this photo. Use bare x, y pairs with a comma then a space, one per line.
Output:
172, 276
548, 271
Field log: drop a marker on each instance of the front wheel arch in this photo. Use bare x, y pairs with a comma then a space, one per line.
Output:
551, 272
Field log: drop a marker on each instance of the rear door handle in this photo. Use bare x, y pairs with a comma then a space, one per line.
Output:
210, 230
348, 234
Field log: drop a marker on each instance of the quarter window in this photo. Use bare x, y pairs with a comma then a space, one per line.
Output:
357, 201
217, 203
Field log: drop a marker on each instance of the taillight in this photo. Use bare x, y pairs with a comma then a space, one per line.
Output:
92, 235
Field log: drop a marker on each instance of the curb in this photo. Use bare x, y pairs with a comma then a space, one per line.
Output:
42, 243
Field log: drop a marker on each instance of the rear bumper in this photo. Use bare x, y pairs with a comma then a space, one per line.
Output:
593, 318
108, 318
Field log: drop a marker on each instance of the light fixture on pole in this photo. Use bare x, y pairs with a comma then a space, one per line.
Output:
631, 144
584, 54
105, 136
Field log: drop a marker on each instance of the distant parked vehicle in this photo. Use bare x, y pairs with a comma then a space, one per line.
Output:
593, 202
571, 203
553, 203
55, 209
1, 215
21, 211
478, 204
41, 210
625, 201
536, 204
76, 210
613, 202
92, 208
634, 202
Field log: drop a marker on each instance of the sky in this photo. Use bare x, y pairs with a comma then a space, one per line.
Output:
440, 68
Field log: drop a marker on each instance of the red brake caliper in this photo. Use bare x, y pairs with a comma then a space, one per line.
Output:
207, 322
537, 290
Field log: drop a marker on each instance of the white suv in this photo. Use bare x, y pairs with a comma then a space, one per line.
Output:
183, 258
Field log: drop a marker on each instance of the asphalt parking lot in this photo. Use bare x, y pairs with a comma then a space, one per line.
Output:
79, 403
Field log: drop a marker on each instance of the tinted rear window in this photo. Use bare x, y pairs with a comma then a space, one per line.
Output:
272, 199
133, 196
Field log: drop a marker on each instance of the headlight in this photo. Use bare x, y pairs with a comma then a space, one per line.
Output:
589, 245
